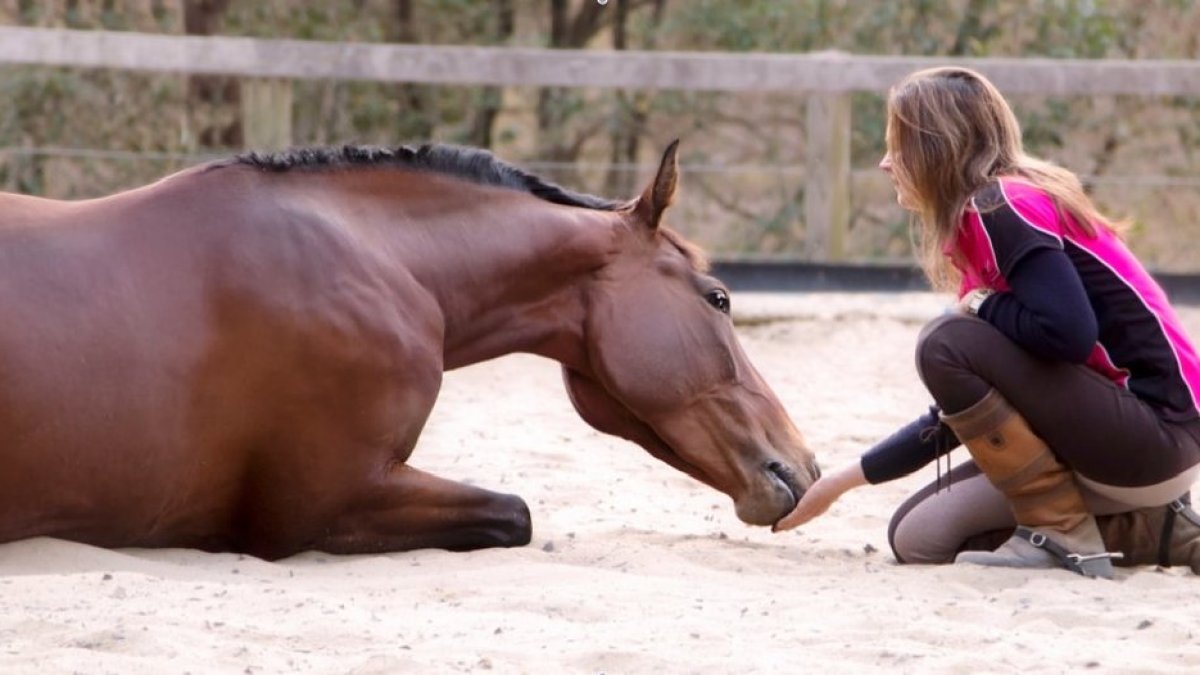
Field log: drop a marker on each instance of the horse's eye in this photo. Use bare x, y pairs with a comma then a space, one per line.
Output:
719, 299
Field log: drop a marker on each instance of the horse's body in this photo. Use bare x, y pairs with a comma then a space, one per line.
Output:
242, 355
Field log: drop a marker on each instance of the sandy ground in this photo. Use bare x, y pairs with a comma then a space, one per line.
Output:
633, 568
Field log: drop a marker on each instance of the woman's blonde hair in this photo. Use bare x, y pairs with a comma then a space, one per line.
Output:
949, 133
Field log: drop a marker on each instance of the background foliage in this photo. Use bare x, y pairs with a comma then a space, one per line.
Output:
76, 133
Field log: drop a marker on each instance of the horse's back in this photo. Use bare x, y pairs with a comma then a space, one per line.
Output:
18, 210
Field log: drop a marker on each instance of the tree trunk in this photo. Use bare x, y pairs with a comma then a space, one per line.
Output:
552, 101
490, 98
556, 141
213, 101
632, 111
416, 121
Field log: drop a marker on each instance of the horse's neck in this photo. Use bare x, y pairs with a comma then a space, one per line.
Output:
507, 272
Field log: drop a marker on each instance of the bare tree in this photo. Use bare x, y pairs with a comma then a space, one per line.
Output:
483, 121
556, 105
631, 109
212, 100
416, 101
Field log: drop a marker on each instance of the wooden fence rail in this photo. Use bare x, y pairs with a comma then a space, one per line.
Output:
828, 78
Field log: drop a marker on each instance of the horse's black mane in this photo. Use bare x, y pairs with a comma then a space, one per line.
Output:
473, 164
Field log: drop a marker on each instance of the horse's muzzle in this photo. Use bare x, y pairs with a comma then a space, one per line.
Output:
778, 493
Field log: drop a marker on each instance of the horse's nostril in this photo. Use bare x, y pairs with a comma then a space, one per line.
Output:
788, 477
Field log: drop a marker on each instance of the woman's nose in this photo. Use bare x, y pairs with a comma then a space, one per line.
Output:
886, 163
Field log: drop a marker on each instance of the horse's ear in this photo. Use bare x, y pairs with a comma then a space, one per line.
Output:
661, 191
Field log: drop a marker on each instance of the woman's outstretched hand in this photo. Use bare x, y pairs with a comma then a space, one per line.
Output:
822, 495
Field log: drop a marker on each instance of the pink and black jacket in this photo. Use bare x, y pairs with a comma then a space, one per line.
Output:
1061, 294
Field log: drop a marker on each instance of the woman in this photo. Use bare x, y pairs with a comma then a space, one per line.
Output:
1064, 372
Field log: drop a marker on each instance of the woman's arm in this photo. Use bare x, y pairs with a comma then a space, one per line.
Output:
914, 445
1047, 312
911, 447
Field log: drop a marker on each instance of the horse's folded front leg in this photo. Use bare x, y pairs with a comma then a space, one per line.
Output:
411, 509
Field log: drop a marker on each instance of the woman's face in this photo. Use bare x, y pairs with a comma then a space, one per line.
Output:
886, 165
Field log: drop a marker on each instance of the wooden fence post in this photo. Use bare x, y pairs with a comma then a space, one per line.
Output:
267, 113
827, 193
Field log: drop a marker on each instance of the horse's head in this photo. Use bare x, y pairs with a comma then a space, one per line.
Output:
668, 373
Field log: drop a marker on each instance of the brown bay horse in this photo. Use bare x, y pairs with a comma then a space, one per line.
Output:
241, 356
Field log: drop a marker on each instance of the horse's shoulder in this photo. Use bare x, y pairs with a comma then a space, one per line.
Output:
324, 280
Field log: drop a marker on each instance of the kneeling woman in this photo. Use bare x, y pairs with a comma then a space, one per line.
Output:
1065, 372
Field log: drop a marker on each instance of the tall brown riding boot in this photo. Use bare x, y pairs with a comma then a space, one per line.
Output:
1161, 535
1054, 527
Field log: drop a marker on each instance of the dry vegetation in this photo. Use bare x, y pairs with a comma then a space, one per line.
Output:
71, 133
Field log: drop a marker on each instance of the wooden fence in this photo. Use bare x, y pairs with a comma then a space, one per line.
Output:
828, 78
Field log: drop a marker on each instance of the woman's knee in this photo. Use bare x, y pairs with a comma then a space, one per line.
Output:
941, 343
945, 352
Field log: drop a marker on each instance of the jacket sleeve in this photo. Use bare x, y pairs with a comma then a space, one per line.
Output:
913, 446
1047, 311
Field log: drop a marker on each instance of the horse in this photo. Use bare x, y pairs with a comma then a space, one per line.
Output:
241, 356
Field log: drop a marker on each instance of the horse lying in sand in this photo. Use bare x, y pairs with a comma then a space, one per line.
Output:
242, 355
